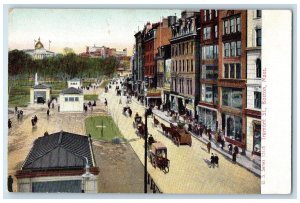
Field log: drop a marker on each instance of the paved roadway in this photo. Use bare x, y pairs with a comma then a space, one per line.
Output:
189, 169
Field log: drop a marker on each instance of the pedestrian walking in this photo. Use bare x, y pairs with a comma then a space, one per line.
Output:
236, 149
212, 161
234, 157
230, 148
208, 147
105, 102
16, 109
9, 123
48, 113
216, 160
58, 108
52, 105
10, 182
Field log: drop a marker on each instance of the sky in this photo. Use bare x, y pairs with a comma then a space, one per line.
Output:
78, 28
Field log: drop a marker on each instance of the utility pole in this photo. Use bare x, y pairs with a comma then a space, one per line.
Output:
145, 161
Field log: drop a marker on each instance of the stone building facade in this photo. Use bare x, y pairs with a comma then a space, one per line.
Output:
185, 62
253, 110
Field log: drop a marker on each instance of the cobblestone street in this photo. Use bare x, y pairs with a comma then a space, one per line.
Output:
189, 169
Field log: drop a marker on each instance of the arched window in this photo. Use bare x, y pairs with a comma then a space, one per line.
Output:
258, 68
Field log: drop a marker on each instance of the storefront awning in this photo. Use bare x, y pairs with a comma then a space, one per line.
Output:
206, 107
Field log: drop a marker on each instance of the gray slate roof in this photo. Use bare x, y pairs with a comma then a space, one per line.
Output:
71, 90
74, 79
41, 86
61, 150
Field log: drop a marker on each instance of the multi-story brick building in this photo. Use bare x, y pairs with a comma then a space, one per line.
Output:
207, 108
138, 70
232, 75
149, 53
185, 58
253, 110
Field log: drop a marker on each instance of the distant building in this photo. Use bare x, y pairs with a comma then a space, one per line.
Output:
59, 162
71, 100
40, 93
39, 52
75, 82
102, 52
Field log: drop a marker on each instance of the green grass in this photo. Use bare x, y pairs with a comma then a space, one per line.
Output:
91, 97
105, 82
19, 93
110, 130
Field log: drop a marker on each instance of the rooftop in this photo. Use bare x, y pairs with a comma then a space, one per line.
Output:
71, 90
61, 150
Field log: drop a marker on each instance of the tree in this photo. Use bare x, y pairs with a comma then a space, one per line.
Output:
68, 50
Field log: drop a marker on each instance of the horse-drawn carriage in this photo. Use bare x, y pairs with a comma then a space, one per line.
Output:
158, 157
178, 134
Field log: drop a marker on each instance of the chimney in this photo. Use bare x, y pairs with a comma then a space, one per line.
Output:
60, 137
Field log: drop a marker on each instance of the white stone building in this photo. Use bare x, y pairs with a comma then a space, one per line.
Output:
39, 52
75, 82
40, 93
253, 111
71, 100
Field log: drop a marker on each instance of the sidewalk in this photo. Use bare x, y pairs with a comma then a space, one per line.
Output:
242, 160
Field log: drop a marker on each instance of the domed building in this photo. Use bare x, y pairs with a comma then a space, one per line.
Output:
39, 52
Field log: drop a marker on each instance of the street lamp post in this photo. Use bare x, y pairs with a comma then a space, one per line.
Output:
147, 113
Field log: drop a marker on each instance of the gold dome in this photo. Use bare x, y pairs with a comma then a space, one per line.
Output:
39, 45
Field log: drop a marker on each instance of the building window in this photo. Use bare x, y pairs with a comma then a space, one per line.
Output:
210, 15
226, 49
216, 31
258, 37
257, 100
238, 48
192, 65
226, 27
232, 25
232, 49
226, 71
234, 127
205, 16
258, 13
231, 70
71, 99
187, 65
232, 97
238, 24
258, 68
183, 68
206, 33
66, 99
256, 137
179, 65
216, 13
238, 71
76, 99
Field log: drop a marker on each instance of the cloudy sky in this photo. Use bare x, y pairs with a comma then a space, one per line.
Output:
78, 28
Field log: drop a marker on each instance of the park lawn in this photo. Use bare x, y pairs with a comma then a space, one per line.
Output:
19, 94
91, 97
104, 83
110, 130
